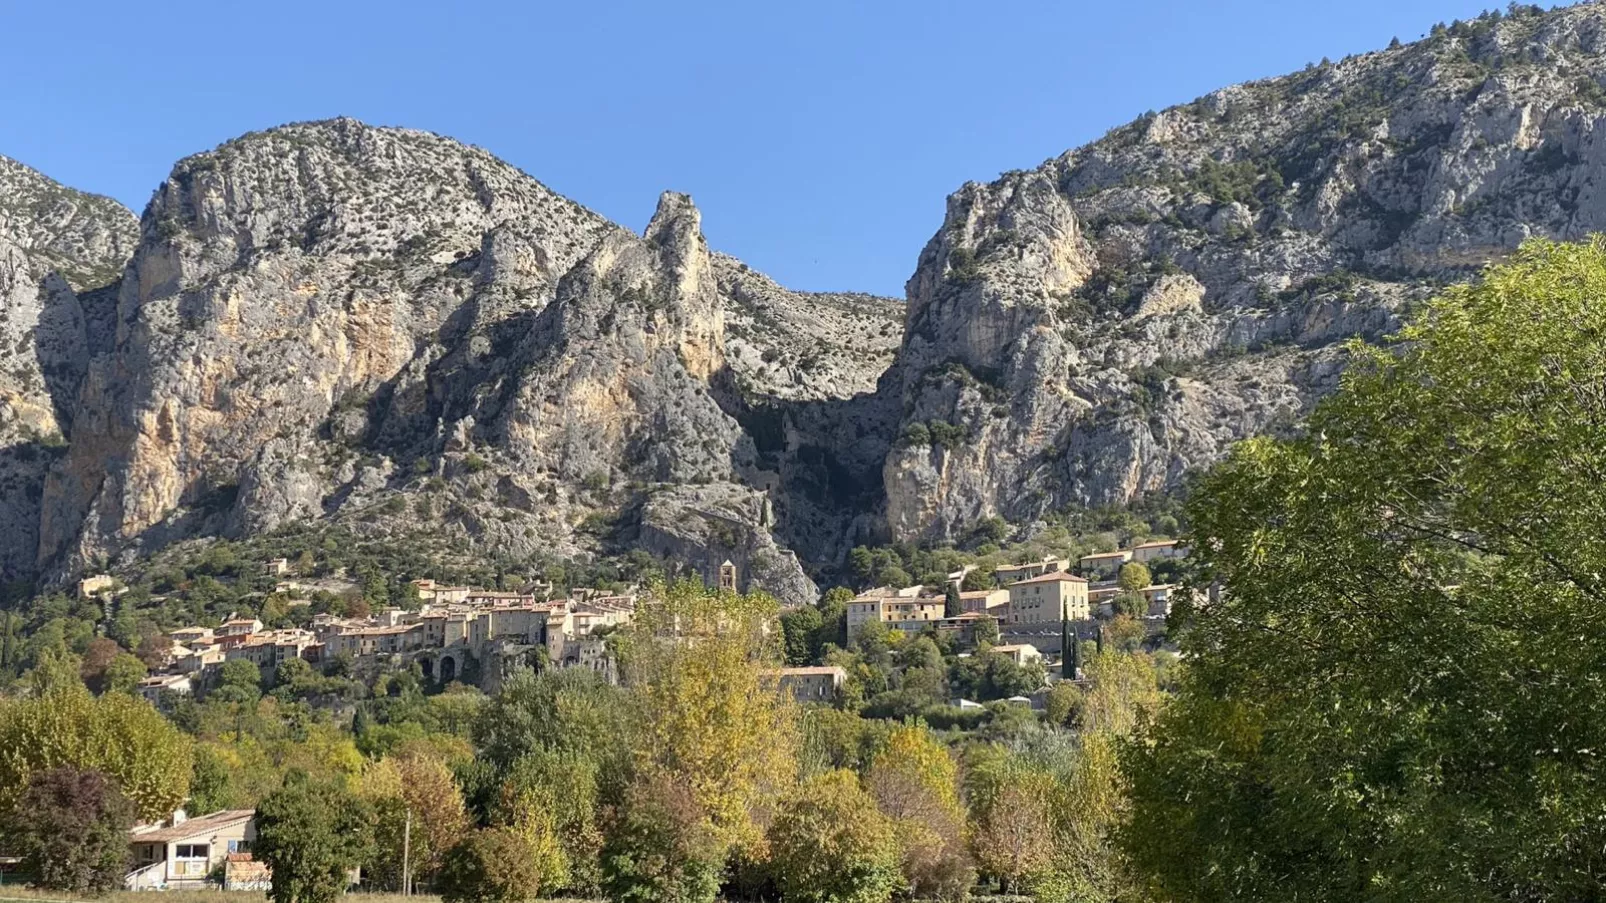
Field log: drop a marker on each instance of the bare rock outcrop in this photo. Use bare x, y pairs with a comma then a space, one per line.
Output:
1096, 328
59, 249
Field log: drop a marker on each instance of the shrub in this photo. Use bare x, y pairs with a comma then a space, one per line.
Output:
71, 827
499, 865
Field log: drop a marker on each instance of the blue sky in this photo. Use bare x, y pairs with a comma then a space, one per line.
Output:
818, 137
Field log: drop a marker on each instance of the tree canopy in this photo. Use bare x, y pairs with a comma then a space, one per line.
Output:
1398, 696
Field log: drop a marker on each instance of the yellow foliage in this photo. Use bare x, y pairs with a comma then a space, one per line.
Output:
118, 734
712, 714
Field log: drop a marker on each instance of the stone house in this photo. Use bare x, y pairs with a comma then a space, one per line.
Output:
993, 602
1103, 564
813, 684
1019, 653
152, 687
1049, 598
1006, 574
1155, 551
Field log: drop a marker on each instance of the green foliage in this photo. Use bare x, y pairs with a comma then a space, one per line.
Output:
799, 629
933, 433
70, 826
1396, 699
497, 865
116, 734
556, 795
962, 268
1134, 576
831, 845
1249, 182
239, 681
662, 848
566, 711
311, 833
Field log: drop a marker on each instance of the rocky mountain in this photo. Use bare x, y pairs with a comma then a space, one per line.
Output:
332, 320
59, 250
1095, 328
388, 329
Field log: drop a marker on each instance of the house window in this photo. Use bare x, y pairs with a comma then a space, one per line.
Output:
239, 846
191, 851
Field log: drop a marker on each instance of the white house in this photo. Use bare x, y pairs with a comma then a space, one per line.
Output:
181, 853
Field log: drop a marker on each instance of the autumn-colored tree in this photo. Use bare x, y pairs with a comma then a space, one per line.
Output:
1134, 576
98, 656
712, 715
915, 783
117, 734
830, 845
498, 865
1014, 829
70, 825
557, 793
421, 790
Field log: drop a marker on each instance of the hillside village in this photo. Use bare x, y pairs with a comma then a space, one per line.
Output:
462, 633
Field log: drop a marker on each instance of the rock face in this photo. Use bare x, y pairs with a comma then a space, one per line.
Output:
59, 248
331, 320
389, 329
1096, 328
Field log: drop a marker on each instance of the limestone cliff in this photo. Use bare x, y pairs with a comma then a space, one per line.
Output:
332, 320
1095, 328
59, 248
388, 329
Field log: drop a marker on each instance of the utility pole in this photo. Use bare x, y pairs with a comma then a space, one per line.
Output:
407, 853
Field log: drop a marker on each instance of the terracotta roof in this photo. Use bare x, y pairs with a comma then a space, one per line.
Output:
977, 593
380, 631
1052, 577
813, 670
194, 827
1156, 545
1118, 554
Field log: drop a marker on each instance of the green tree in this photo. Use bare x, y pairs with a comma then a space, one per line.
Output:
1396, 698
239, 681
547, 794
986, 631
1134, 576
123, 674
800, 626
830, 844
952, 607
662, 848
1062, 702
312, 834
70, 825
977, 579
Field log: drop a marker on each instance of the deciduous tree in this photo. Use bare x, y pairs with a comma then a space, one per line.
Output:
312, 834
1397, 697
831, 845
70, 825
